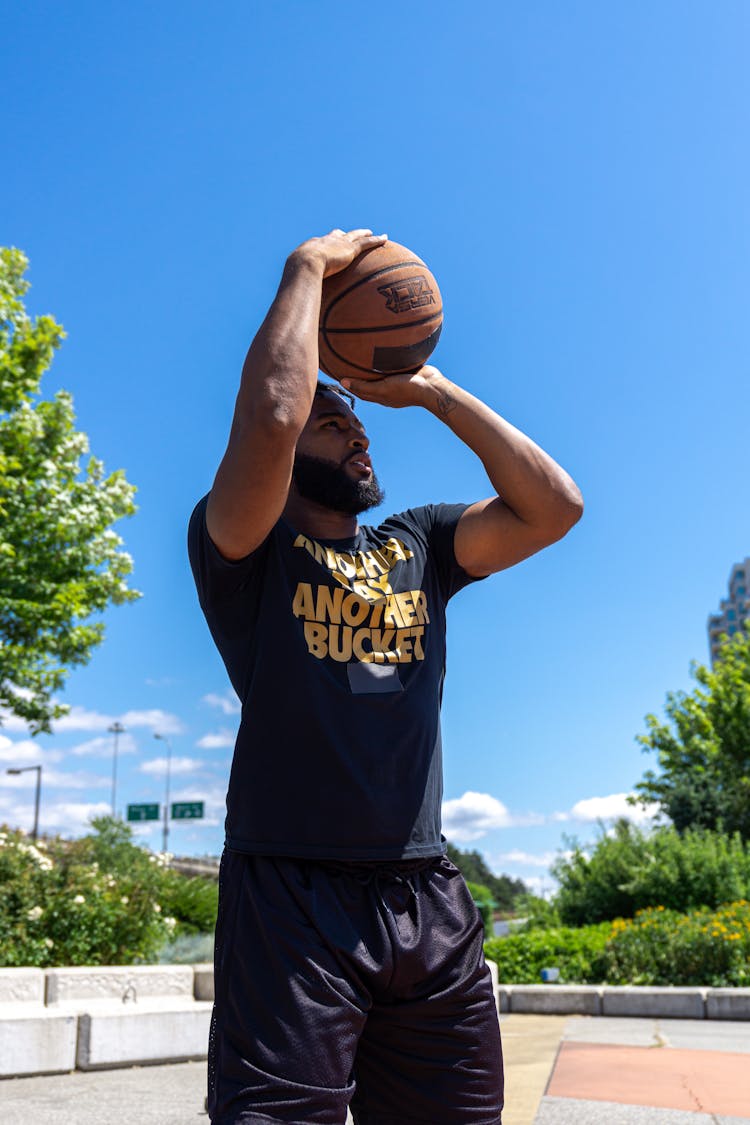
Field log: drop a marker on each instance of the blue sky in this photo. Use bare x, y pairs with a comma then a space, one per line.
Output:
576, 176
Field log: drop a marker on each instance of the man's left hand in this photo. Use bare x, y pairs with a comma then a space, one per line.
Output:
395, 390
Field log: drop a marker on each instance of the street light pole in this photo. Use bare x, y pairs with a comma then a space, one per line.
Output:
165, 832
25, 769
116, 729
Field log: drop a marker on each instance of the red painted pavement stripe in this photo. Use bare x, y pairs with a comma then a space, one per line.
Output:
667, 1077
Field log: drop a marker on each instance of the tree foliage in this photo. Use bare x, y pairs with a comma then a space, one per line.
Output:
634, 870
503, 889
703, 750
60, 561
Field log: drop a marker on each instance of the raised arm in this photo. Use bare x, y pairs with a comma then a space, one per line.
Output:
536, 502
275, 396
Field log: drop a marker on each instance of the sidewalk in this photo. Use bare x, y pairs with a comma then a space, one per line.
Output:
560, 1070
631, 1071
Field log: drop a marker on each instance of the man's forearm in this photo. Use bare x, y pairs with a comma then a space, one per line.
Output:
526, 478
281, 367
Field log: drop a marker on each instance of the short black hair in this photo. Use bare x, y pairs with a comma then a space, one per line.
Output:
334, 388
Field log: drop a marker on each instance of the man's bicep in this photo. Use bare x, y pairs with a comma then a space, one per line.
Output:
491, 537
249, 492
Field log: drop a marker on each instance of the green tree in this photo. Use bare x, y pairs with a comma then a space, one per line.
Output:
703, 750
633, 870
60, 561
503, 889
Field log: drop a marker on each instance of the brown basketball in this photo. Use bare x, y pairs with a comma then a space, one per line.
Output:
382, 315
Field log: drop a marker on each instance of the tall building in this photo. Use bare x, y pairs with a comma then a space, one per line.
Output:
734, 611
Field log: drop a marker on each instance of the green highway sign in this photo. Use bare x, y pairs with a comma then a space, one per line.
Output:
143, 812
187, 810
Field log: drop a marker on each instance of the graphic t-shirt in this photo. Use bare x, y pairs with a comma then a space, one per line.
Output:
336, 650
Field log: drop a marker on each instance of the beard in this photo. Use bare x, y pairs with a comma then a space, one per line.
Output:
328, 484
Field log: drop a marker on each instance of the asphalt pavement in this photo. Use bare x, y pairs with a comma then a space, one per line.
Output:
559, 1071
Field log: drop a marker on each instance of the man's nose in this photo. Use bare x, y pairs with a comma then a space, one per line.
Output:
359, 441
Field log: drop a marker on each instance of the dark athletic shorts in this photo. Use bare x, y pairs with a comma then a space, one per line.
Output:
351, 984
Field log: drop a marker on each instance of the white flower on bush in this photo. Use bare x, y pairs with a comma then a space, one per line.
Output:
79, 899
171, 922
42, 861
35, 914
111, 881
157, 908
49, 942
124, 900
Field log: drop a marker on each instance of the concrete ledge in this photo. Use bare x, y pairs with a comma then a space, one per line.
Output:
34, 1040
112, 1039
203, 980
558, 999
672, 1003
728, 1003
21, 986
76, 987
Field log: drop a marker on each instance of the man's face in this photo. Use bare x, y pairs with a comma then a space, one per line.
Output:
332, 466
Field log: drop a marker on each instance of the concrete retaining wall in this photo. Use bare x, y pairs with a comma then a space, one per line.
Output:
97, 1017
102, 1016
630, 1000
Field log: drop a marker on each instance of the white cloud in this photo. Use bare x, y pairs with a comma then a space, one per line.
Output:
56, 779
66, 818
103, 746
526, 859
80, 718
26, 753
540, 886
228, 703
612, 807
13, 722
470, 816
177, 765
220, 740
70, 818
162, 721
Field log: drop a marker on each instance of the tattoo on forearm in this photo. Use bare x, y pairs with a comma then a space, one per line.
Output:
446, 402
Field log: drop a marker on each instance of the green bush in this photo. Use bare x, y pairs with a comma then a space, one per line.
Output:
59, 908
709, 948
537, 913
633, 870
662, 947
100, 900
192, 902
577, 953
485, 904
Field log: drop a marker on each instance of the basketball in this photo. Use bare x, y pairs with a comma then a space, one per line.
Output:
382, 315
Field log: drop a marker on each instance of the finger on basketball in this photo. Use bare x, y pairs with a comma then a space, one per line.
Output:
362, 388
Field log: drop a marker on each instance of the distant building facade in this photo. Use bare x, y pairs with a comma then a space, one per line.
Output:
734, 611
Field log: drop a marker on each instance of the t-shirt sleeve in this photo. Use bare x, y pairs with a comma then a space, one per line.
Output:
217, 579
439, 522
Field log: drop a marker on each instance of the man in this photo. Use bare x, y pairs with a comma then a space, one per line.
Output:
348, 965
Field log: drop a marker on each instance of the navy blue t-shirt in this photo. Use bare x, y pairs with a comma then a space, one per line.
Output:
336, 650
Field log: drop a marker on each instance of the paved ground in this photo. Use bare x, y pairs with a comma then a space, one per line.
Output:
595, 1071
663, 1072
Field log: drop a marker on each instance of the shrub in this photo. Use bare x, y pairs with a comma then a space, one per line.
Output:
633, 870
577, 953
662, 947
100, 900
709, 948
484, 903
57, 908
192, 902
537, 913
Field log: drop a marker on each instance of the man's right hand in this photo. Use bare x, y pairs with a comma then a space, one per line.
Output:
337, 250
